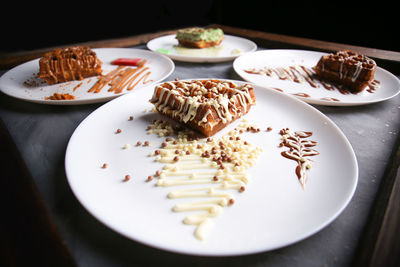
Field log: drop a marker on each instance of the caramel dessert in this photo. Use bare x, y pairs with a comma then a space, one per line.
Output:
196, 37
299, 150
204, 169
69, 64
206, 106
349, 69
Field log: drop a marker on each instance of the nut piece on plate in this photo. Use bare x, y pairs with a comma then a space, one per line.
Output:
352, 71
206, 106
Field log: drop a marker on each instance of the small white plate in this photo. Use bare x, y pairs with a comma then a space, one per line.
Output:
274, 211
21, 82
230, 48
389, 84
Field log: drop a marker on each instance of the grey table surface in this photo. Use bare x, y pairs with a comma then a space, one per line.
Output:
41, 133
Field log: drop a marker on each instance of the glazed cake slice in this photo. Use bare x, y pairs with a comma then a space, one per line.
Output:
69, 64
199, 38
349, 69
206, 106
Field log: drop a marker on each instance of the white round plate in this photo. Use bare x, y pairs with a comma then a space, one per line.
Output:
230, 48
389, 84
21, 82
274, 211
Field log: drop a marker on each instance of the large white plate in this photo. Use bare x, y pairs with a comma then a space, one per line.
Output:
12, 82
274, 211
389, 87
230, 48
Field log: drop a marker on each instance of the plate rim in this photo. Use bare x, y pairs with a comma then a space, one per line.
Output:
4, 77
202, 59
165, 247
310, 100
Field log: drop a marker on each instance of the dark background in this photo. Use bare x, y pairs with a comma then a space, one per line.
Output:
37, 25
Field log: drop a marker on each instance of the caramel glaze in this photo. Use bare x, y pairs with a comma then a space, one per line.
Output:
299, 150
122, 78
303, 74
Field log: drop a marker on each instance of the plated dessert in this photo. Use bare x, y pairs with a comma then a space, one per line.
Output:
150, 168
196, 37
201, 45
204, 105
354, 79
80, 75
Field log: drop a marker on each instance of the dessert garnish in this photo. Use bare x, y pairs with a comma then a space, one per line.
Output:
136, 62
220, 165
122, 78
57, 96
206, 106
299, 151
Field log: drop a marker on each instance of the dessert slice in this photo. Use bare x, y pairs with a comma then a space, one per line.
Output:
206, 106
68, 64
196, 37
349, 69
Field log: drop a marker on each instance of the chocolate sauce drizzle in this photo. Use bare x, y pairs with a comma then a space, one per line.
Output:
299, 150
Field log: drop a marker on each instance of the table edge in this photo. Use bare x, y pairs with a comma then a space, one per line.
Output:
271, 40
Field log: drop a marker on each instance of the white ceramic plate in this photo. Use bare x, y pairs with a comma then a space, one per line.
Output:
13, 82
230, 48
274, 211
389, 84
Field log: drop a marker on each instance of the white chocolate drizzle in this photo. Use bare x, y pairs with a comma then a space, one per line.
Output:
207, 170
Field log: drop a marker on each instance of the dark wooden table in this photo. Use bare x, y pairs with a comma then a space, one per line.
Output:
43, 223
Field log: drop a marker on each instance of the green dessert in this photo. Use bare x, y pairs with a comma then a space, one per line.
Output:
199, 37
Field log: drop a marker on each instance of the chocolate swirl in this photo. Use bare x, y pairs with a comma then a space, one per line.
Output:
299, 150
